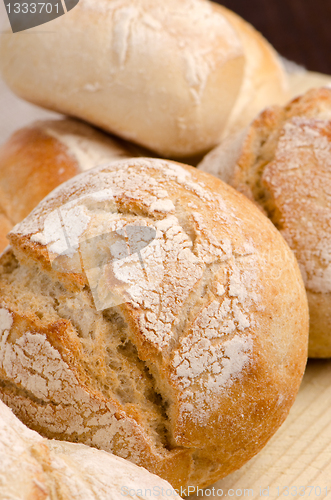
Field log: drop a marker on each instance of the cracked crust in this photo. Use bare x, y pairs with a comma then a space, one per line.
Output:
197, 367
41, 156
282, 163
33, 468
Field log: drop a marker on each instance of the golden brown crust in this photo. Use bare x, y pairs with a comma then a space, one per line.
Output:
75, 398
213, 346
27, 250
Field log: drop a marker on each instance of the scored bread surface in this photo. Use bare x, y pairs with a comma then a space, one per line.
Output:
197, 367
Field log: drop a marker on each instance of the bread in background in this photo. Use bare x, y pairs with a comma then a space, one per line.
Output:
302, 81
186, 364
166, 75
39, 157
265, 81
282, 161
33, 468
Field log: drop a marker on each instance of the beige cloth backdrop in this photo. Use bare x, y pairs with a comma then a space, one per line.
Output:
15, 113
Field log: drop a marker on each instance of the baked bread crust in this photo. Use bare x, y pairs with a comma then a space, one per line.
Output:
33, 468
282, 162
38, 158
198, 366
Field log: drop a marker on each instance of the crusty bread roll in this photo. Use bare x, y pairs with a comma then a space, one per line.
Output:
148, 314
33, 468
165, 75
283, 163
265, 81
41, 156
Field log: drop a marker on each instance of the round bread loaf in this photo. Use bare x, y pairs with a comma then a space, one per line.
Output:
33, 468
41, 156
283, 163
162, 74
152, 311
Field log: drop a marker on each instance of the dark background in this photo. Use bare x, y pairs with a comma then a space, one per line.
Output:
299, 29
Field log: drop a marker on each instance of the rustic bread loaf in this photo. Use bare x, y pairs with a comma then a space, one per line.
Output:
33, 468
165, 75
147, 313
41, 156
283, 163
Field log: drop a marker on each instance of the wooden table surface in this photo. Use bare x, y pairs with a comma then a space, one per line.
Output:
299, 29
